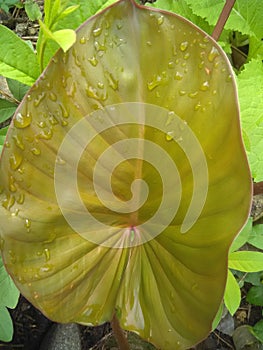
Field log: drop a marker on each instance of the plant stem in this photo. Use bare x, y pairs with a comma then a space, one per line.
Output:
9, 97
222, 19
119, 334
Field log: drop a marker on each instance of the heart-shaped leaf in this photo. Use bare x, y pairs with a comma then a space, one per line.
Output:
124, 179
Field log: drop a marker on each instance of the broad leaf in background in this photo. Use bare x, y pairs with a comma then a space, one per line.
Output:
232, 296
165, 287
7, 109
17, 89
9, 295
255, 295
250, 90
246, 261
256, 236
245, 18
242, 237
17, 60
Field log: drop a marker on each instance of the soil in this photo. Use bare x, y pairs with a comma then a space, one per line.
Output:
31, 326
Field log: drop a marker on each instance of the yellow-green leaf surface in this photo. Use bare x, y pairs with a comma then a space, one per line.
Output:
124, 179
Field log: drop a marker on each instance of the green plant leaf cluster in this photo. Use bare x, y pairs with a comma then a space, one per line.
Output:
17, 60
185, 273
244, 261
32, 10
250, 89
9, 295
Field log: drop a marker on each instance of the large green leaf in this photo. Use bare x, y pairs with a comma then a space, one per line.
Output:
17, 60
141, 95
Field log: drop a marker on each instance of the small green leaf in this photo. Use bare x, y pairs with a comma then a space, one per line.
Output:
18, 89
6, 325
51, 10
256, 237
65, 38
218, 316
32, 10
254, 278
242, 237
67, 11
7, 109
255, 295
250, 89
257, 330
17, 60
232, 295
246, 261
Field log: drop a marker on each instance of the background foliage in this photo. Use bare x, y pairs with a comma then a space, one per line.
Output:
242, 41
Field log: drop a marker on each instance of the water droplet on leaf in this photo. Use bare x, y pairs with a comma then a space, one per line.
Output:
22, 121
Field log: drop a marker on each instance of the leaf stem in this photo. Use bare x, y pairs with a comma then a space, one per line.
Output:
119, 334
222, 19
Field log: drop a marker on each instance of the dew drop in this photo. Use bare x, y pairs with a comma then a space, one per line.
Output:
193, 94
202, 45
184, 45
82, 40
52, 96
60, 161
22, 121
186, 56
113, 83
47, 254
197, 106
149, 43
97, 32
178, 76
72, 90
12, 256
52, 120
35, 295
36, 151
100, 85
171, 64
8, 202
21, 198
160, 20
93, 61
45, 134
157, 81
39, 98
204, 86
92, 92
213, 54
42, 124
229, 78
64, 111
169, 135
170, 118
46, 268
29, 97
182, 92
99, 47
15, 160
27, 224
12, 186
